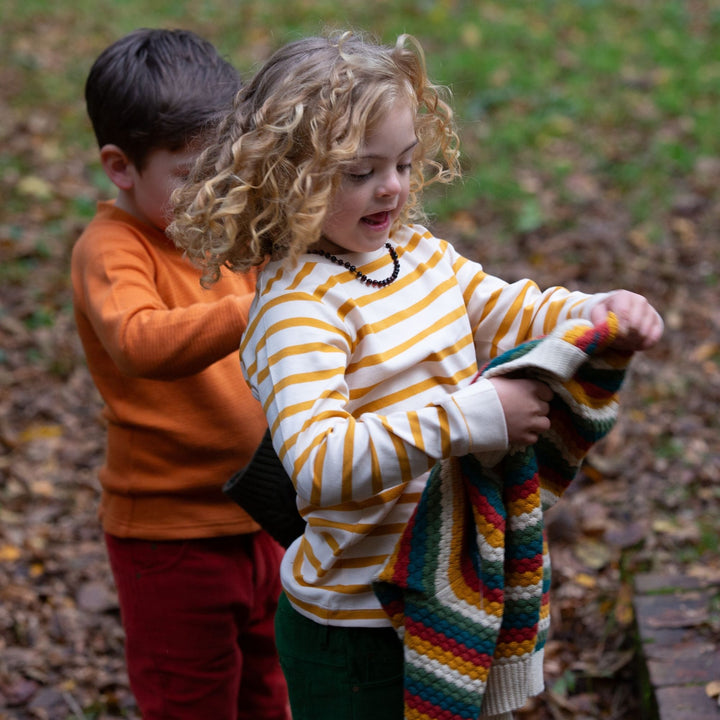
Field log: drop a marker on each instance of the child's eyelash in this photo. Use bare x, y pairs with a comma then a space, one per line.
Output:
359, 177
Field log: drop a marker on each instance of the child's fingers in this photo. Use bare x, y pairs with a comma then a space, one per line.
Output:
543, 391
639, 324
651, 329
526, 404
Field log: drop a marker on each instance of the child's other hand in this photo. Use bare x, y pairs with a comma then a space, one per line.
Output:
640, 325
526, 404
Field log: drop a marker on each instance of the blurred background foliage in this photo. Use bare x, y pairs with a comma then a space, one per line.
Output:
584, 96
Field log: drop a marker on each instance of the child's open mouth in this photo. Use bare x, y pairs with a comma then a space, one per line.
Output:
377, 220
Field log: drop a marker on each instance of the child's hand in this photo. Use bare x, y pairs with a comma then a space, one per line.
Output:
526, 405
640, 325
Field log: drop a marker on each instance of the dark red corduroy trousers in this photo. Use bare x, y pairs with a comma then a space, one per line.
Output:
198, 618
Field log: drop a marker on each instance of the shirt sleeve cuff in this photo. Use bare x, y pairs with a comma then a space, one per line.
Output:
477, 420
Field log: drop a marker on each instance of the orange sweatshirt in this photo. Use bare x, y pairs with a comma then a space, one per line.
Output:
163, 353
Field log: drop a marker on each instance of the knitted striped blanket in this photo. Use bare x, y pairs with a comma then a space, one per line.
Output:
467, 587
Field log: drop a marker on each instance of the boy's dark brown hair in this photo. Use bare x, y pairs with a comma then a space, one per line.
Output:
157, 89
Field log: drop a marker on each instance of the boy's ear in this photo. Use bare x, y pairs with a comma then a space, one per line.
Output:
117, 166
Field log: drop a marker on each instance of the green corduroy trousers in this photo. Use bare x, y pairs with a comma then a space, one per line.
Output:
339, 672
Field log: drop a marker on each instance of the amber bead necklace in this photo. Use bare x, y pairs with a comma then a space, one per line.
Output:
361, 276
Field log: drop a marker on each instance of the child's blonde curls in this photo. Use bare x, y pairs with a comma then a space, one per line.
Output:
262, 187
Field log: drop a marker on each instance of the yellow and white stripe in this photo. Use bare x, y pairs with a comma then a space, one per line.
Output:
365, 389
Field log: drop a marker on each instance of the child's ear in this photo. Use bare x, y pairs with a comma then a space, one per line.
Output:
117, 166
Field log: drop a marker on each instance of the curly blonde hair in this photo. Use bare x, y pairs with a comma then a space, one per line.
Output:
262, 187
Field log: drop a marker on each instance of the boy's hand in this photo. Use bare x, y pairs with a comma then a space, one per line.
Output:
526, 405
640, 325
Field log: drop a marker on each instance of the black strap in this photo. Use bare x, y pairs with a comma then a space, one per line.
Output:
264, 490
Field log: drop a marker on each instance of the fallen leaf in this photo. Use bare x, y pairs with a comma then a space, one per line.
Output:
41, 432
594, 555
96, 597
624, 611
585, 580
35, 187
19, 691
43, 488
9, 553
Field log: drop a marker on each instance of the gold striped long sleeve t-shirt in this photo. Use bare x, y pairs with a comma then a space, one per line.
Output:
365, 389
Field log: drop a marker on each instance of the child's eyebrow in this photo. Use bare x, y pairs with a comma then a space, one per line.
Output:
382, 157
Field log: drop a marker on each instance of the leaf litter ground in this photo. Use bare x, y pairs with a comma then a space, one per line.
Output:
648, 500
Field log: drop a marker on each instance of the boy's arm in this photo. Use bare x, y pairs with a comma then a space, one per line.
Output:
116, 286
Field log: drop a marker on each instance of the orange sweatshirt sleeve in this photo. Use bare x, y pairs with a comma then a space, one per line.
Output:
145, 305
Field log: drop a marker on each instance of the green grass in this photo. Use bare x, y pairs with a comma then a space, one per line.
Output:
624, 91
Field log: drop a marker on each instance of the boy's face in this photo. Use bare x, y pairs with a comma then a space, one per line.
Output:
375, 187
149, 198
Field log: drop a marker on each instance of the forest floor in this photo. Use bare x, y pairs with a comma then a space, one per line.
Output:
648, 500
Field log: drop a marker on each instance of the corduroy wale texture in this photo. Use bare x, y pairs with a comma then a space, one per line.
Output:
467, 587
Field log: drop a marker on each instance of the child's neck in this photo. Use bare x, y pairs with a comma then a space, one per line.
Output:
328, 246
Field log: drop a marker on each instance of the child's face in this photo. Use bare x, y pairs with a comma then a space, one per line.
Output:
149, 198
374, 187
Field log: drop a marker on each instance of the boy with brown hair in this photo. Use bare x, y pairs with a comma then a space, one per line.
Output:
197, 580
